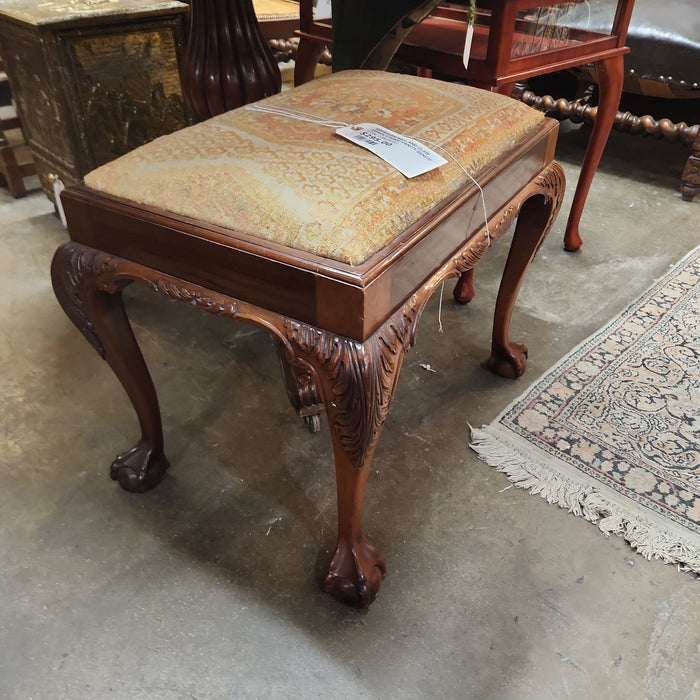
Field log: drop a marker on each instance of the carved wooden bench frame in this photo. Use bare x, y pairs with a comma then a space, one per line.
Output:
341, 331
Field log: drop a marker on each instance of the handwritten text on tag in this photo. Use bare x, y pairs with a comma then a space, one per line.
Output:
407, 155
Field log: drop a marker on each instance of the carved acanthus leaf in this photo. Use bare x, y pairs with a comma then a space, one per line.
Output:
358, 379
74, 265
551, 183
212, 303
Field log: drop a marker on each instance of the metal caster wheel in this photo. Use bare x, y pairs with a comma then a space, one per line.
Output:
313, 423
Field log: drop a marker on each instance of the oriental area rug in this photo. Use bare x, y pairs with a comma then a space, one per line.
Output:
612, 431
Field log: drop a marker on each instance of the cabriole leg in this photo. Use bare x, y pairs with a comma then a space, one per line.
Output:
508, 359
87, 286
356, 570
610, 72
465, 290
357, 381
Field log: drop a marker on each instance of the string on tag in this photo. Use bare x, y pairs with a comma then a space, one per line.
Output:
335, 124
466, 172
299, 116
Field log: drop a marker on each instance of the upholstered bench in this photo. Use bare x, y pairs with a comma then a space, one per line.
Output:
264, 217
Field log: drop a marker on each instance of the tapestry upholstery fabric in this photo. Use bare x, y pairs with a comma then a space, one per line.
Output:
275, 9
298, 184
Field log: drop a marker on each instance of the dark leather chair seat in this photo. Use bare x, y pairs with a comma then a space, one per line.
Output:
664, 41
663, 63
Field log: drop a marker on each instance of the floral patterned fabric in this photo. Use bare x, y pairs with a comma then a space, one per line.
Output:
299, 184
276, 9
612, 432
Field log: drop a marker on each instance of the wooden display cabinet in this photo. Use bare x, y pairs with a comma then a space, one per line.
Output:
513, 40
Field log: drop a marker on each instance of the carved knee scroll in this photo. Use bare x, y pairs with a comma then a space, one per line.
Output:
88, 285
302, 388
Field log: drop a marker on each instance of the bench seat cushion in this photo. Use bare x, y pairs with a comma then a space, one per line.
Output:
266, 10
298, 184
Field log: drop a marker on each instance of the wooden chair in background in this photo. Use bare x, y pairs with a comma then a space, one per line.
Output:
513, 40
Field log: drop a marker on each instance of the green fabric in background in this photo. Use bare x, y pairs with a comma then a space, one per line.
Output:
367, 33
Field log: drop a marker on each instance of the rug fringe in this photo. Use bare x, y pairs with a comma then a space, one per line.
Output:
585, 501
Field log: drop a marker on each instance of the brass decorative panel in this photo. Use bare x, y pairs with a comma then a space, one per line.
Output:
45, 12
128, 89
88, 91
37, 94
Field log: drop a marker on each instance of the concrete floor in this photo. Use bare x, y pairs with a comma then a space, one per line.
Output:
208, 587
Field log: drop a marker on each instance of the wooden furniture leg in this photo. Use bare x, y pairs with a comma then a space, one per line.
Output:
508, 359
610, 78
86, 287
358, 382
465, 289
309, 53
690, 180
15, 159
9, 170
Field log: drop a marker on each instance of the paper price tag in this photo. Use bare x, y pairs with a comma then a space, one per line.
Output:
468, 45
407, 155
324, 10
58, 187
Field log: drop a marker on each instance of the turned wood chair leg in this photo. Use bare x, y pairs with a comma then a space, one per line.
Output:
508, 359
690, 180
88, 287
610, 74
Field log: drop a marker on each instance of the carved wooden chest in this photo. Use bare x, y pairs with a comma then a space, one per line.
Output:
92, 79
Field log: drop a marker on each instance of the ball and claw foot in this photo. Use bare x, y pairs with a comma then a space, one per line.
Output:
355, 574
509, 362
139, 469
